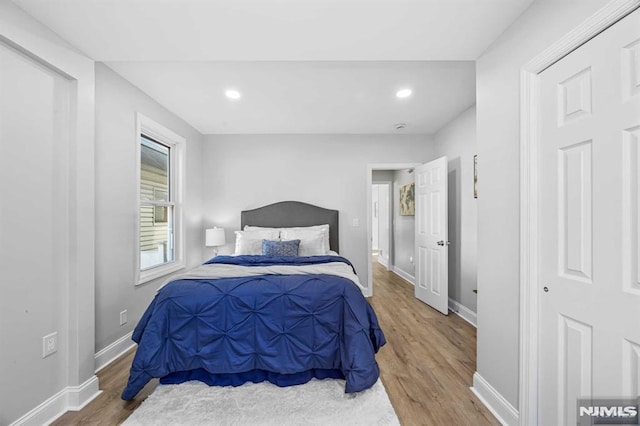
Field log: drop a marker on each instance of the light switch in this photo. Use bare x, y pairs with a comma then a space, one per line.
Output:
356, 222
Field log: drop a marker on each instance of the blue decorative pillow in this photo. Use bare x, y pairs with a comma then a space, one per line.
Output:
280, 248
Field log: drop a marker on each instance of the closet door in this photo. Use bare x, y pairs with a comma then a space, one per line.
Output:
589, 329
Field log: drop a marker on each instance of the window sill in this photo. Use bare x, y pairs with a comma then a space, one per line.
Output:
160, 271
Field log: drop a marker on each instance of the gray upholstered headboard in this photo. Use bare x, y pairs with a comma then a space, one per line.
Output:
287, 214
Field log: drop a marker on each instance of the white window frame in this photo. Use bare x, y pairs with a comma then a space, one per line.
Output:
177, 145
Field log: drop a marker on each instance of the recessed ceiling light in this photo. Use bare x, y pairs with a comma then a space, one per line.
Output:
232, 94
403, 93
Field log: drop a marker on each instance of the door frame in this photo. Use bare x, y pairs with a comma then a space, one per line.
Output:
368, 292
529, 193
389, 184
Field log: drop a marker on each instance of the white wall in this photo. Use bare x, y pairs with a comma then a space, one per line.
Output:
382, 176
498, 103
457, 140
46, 220
117, 102
403, 227
248, 171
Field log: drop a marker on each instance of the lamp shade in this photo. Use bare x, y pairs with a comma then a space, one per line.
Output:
214, 237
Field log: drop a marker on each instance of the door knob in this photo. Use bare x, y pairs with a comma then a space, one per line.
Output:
442, 243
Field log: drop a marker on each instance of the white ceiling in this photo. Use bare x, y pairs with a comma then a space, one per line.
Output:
308, 97
280, 54
277, 30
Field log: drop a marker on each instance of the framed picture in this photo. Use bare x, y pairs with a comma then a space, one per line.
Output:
407, 200
475, 176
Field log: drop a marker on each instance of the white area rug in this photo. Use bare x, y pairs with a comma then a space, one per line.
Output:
319, 402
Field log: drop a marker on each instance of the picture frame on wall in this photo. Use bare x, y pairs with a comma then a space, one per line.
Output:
407, 200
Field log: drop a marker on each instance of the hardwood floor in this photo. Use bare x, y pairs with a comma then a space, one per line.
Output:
428, 362
108, 408
426, 366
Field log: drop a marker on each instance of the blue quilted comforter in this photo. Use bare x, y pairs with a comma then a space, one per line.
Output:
285, 329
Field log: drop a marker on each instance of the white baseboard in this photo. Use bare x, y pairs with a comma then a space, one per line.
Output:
383, 261
404, 275
504, 412
70, 398
109, 354
79, 396
366, 292
74, 398
462, 311
46, 412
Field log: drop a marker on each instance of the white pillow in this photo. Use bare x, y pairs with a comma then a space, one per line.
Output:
313, 242
325, 228
250, 242
312, 247
258, 228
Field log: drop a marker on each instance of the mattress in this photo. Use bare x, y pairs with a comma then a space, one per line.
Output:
255, 318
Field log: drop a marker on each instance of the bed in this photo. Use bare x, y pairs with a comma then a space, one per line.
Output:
267, 315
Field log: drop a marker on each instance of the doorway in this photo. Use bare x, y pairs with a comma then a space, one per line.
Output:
383, 174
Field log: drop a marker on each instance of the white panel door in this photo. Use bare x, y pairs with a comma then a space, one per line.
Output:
384, 225
375, 217
431, 229
589, 331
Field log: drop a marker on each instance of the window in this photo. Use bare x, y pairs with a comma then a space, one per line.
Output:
159, 194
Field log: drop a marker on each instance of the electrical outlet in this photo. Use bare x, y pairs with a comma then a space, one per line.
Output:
123, 317
49, 344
